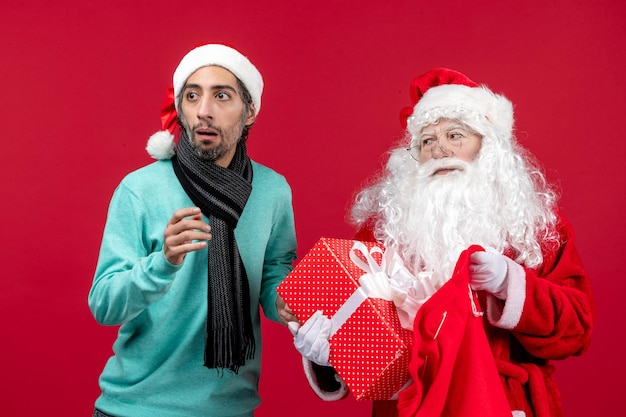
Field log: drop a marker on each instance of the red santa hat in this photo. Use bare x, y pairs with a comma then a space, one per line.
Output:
443, 93
161, 144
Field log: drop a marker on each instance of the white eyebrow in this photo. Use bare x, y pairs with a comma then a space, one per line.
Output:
447, 129
453, 127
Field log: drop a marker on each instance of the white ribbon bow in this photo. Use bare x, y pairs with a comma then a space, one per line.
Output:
389, 281
375, 281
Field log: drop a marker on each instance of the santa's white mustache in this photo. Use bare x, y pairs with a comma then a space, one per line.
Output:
430, 167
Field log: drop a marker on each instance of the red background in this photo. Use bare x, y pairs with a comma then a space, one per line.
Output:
82, 83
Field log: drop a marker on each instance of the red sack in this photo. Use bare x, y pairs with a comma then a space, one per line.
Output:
453, 370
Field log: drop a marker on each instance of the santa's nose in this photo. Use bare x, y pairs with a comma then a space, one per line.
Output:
439, 150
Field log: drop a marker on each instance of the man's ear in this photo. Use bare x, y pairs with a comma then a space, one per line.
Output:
252, 116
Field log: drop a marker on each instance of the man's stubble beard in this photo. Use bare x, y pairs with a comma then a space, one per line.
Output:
225, 145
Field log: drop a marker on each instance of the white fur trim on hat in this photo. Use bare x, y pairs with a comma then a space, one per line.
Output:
223, 56
478, 107
161, 145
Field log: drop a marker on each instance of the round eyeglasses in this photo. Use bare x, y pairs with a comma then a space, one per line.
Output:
414, 150
447, 143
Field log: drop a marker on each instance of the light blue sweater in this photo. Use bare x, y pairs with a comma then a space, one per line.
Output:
157, 368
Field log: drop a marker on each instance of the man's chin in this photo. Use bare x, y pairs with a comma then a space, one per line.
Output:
211, 154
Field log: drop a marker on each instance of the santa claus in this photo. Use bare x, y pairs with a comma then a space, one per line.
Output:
458, 179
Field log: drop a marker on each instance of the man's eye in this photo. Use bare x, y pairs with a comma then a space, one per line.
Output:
427, 142
456, 135
222, 96
192, 96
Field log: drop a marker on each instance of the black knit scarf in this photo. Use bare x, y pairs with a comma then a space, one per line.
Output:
222, 193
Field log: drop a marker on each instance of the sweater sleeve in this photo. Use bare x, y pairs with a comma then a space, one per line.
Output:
280, 251
557, 308
131, 272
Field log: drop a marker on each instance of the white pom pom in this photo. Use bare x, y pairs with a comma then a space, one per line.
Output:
161, 145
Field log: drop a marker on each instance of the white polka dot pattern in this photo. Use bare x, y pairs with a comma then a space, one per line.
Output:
371, 350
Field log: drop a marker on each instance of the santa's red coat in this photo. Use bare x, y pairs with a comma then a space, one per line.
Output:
548, 315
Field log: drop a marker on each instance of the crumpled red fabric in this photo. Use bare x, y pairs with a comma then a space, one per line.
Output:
452, 367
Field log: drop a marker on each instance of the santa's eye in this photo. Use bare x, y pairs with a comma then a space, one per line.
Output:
428, 142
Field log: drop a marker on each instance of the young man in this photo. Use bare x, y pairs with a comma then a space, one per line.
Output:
193, 244
461, 179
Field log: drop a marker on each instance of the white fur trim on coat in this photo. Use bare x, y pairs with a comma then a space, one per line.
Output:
324, 395
507, 316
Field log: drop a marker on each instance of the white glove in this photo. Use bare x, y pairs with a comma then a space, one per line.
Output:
311, 340
488, 272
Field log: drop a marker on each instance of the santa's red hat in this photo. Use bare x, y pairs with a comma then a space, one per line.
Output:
161, 144
443, 93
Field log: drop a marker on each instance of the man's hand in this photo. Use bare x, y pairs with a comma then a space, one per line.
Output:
185, 232
488, 272
284, 312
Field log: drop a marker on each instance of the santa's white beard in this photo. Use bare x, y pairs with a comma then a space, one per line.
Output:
439, 216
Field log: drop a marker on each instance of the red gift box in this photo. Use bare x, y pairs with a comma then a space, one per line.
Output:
369, 348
